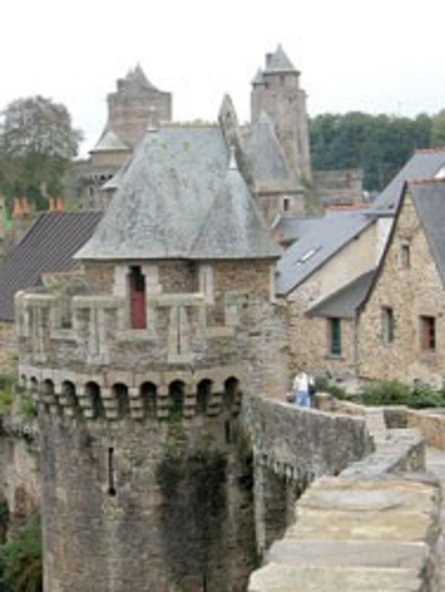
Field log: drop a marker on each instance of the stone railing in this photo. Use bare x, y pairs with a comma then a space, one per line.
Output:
374, 527
431, 422
291, 448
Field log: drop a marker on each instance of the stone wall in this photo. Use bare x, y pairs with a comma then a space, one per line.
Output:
338, 187
374, 527
417, 283
291, 448
19, 467
8, 348
308, 336
431, 422
228, 328
146, 506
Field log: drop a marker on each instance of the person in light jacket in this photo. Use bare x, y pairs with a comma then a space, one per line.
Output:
301, 386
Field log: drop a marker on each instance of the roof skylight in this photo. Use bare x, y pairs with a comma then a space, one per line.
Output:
307, 255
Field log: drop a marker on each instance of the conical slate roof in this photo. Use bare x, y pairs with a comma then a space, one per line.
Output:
177, 200
110, 142
279, 62
258, 79
234, 228
137, 77
265, 153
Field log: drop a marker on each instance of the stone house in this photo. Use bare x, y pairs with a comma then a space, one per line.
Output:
401, 325
326, 272
322, 276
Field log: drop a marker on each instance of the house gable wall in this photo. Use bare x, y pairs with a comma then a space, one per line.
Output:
411, 292
308, 336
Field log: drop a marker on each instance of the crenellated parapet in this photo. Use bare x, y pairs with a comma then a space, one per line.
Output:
112, 395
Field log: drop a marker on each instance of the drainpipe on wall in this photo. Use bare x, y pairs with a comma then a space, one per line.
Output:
356, 354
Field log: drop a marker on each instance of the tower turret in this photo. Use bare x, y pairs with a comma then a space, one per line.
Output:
276, 91
140, 371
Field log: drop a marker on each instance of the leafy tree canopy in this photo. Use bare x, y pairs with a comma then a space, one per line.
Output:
21, 559
378, 144
37, 142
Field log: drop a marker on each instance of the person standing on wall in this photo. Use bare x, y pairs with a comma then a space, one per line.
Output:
303, 386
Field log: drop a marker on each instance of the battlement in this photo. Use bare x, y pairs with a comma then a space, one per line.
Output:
114, 396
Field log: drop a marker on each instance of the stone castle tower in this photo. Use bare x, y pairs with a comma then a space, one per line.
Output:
135, 105
276, 91
139, 366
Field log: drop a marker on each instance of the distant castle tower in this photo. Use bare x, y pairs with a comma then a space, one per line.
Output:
276, 91
136, 105
140, 371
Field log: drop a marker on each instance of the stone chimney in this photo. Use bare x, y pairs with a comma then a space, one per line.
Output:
22, 218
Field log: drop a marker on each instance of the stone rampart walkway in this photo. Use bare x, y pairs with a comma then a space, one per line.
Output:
376, 527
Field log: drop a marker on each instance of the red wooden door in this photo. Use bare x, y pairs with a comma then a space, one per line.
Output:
137, 299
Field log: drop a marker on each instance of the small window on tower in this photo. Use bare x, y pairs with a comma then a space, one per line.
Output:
286, 204
137, 298
405, 256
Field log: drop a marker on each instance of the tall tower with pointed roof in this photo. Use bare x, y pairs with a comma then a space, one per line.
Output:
276, 91
140, 372
135, 105
135, 102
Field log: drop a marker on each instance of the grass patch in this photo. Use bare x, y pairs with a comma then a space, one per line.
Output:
7, 392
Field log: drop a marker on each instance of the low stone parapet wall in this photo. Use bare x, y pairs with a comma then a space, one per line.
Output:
294, 440
374, 527
431, 422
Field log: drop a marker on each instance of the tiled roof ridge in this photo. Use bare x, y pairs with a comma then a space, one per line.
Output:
342, 207
189, 124
430, 150
427, 181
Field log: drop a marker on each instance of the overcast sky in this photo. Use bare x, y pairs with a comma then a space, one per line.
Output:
384, 56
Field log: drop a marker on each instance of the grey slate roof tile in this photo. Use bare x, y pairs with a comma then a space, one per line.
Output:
48, 246
166, 196
424, 164
266, 155
258, 79
279, 62
345, 302
324, 237
234, 228
429, 201
109, 142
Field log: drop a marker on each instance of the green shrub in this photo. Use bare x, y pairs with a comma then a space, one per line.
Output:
393, 392
7, 390
325, 385
424, 396
21, 560
27, 406
386, 392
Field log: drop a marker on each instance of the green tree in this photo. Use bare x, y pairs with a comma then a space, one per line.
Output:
438, 129
378, 144
37, 143
21, 560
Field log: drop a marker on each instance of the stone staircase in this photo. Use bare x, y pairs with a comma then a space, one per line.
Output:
435, 462
376, 527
